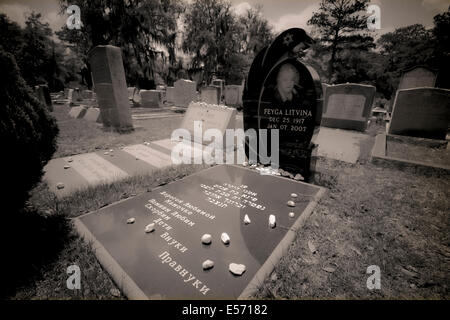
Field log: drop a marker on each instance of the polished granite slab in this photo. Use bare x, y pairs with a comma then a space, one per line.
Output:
167, 263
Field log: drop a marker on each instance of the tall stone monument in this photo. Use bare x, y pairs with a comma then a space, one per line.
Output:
284, 94
111, 88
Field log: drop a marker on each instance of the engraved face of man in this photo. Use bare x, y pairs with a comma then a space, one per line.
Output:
287, 77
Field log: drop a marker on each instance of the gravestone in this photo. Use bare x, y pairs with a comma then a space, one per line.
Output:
131, 91
211, 117
93, 115
151, 98
417, 77
421, 112
283, 93
210, 95
70, 96
77, 112
233, 95
43, 94
185, 92
88, 94
166, 263
77, 95
170, 94
110, 86
348, 106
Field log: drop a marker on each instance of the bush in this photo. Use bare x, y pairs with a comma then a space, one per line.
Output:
27, 135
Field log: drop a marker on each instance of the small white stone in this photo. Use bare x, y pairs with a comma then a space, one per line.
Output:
236, 269
106, 153
272, 221
299, 177
111, 150
245, 163
150, 228
114, 292
131, 220
69, 160
291, 203
66, 166
206, 238
291, 214
247, 219
60, 185
207, 264
225, 238
294, 195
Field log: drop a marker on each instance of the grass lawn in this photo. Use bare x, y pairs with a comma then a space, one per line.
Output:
369, 216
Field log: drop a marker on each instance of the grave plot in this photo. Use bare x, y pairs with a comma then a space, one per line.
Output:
414, 154
170, 243
66, 175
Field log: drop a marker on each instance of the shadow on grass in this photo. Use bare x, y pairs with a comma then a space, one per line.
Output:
30, 241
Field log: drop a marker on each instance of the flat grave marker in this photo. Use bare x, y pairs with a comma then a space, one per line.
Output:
167, 263
211, 117
77, 112
93, 115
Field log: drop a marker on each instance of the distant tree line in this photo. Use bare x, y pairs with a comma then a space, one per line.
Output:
163, 40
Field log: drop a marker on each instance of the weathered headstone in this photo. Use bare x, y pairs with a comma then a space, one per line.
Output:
77, 112
417, 77
131, 91
93, 115
88, 94
210, 95
170, 94
110, 86
211, 117
151, 98
283, 93
348, 106
421, 112
70, 96
77, 95
233, 95
185, 92
43, 94
167, 262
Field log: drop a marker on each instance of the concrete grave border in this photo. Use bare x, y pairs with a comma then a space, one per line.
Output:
379, 156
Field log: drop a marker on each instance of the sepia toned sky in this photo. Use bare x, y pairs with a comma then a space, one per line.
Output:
282, 14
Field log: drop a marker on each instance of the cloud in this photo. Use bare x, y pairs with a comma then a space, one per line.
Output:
241, 8
440, 5
292, 20
16, 12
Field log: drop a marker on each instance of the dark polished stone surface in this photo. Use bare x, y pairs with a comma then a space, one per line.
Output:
226, 192
296, 117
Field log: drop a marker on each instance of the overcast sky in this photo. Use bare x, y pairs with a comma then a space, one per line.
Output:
282, 14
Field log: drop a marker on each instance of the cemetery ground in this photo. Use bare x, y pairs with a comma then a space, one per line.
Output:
369, 216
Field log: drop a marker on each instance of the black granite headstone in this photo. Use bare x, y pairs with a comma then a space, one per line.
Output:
167, 263
283, 93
